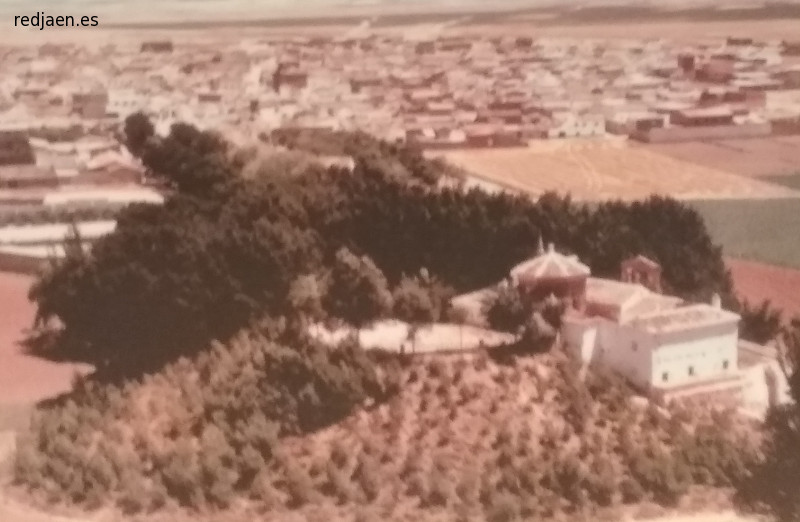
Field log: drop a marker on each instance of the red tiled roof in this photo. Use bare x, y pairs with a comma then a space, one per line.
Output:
549, 265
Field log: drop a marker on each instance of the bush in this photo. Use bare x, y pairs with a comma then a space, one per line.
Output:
367, 476
439, 492
507, 311
504, 508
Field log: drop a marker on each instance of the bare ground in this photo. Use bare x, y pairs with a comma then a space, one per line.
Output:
25, 379
759, 282
773, 156
603, 169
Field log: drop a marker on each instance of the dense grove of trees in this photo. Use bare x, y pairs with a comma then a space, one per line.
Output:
471, 239
224, 250
402, 160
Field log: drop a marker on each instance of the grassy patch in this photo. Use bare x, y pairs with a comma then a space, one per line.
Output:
761, 230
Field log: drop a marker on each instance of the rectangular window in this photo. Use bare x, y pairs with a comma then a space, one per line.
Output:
691, 371
725, 364
665, 376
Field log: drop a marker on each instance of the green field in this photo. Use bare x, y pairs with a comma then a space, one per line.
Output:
761, 230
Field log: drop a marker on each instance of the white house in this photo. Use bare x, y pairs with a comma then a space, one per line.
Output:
662, 345
657, 342
670, 347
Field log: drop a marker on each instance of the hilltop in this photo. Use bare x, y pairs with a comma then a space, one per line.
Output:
211, 399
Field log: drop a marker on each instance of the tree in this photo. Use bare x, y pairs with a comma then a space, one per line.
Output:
138, 130
306, 295
776, 482
537, 333
414, 303
760, 324
507, 311
358, 291
191, 161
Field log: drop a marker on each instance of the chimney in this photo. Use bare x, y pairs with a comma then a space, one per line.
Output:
551, 248
716, 301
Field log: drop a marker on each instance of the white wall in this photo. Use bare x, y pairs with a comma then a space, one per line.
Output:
621, 348
704, 350
581, 338
642, 358
55, 159
627, 351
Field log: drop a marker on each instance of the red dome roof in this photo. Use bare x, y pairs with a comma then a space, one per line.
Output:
549, 265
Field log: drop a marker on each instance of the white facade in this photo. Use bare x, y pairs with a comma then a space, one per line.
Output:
695, 355
599, 341
664, 350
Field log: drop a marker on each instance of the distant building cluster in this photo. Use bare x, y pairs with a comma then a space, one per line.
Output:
437, 91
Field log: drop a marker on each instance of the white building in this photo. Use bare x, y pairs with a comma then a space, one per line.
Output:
662, 345
651, 340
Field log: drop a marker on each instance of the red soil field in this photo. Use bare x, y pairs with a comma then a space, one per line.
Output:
758, 282
24, 379
770, 156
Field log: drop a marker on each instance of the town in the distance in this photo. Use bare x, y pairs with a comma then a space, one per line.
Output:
403, 270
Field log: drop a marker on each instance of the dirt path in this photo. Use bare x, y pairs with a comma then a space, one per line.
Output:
758, 282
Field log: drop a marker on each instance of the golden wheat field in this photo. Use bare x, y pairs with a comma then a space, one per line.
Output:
607, 169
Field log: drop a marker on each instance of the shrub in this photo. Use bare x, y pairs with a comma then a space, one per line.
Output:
299, 488
338, 484
504, 508
507, 311
367, 476
439, 492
